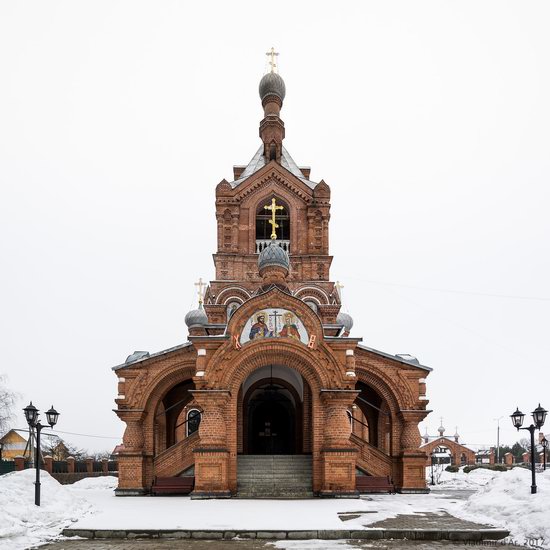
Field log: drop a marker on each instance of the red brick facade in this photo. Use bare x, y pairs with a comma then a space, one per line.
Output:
321, 379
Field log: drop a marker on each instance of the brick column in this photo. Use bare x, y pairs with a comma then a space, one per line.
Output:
48, 464
19, 463
105, 465
131, 461
90, 465
338, 454
70, 464
412, 459
212, 453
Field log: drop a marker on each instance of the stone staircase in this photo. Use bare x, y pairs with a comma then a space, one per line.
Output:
274, 476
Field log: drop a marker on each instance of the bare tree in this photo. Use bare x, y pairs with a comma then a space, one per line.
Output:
7, 402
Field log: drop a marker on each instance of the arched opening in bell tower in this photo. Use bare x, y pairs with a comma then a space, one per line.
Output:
274, 413
264, 225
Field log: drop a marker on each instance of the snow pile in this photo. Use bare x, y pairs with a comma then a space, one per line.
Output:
23, 524
460, 480
102, 483
507, 501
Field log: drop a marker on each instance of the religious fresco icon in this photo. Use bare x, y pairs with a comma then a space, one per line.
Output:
274, 323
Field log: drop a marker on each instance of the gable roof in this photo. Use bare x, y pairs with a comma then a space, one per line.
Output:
258, 162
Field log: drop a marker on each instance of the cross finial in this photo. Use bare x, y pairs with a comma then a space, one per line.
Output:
200, 286
339, 286
273, 207
273, 61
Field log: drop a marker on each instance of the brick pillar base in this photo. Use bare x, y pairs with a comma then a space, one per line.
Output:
211, 473
131, 475
413, 473
339, 473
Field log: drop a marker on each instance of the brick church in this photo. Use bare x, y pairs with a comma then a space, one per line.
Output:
271, 395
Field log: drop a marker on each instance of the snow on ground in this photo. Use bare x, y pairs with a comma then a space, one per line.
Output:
22, 523
501, 499
507, 501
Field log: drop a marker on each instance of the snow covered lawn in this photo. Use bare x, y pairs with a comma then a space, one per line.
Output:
501, 499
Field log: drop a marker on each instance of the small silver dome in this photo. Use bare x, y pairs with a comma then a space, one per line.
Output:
196, 317
345, 319
273, 255
272, 84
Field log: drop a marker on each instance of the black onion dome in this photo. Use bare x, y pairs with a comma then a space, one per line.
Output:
196, 317
273, 255
345, 319
272, 84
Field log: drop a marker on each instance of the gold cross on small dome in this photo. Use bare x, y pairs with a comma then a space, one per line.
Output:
273, 208
200, 286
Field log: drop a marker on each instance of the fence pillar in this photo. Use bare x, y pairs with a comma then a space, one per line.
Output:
48, 464
19, 463
70, 464
90, 465
105, 465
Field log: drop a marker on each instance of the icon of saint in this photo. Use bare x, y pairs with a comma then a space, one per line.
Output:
259, 329
290, 329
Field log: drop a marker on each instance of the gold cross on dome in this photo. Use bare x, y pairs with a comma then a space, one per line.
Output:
200, 286
273, 61
273, 208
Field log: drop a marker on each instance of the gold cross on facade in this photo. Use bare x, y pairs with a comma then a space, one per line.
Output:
273, 208
273, 61
200, 286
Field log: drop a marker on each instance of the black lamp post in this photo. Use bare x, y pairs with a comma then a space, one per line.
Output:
432, 455
1, 447
544, 444
31, 414
539, 416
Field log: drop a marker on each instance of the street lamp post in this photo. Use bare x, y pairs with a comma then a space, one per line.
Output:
544, 444
539, 416
432, 455
31, 415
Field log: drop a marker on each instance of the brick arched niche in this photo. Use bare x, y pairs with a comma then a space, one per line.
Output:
387, 420
153, 402
293, 356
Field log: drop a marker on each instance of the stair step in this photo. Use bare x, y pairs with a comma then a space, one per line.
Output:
274, 476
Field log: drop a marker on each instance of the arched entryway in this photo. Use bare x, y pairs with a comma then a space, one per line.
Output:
275, 413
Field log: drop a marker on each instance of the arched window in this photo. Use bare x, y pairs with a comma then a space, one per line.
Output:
193, 421
264, 217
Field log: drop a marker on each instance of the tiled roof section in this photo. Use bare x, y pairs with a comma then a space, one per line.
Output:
258, 162
400, 358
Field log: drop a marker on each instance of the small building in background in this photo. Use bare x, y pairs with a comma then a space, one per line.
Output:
13, 444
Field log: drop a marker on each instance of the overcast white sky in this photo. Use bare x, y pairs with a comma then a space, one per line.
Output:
429, 120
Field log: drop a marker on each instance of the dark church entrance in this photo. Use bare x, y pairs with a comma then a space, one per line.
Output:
271, 422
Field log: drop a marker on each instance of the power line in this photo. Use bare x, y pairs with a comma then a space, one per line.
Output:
454, 291
73, 433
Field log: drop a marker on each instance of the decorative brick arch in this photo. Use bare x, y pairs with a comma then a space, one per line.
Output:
281, 299
164, 382
268, 188
314, 293
232, 293
387, 393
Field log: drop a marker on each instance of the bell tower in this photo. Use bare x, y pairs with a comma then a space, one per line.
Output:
272, 199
